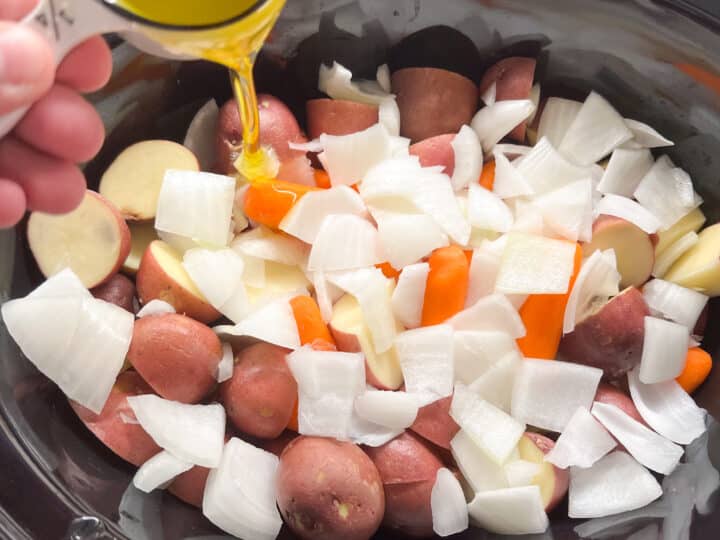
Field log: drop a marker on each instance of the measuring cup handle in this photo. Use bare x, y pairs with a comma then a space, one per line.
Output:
65, 24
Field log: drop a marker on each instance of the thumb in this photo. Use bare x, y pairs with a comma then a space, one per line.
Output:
27, 66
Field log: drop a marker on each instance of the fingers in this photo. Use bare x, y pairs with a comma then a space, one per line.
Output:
12, 203
50, 184
64, 125
14, 10
88, 66
27, 67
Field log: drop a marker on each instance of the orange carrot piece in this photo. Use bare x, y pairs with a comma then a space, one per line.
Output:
268, 202
447, 285
468, 255
487, 177
698, 364
322, 179
310, 323
388, 271
543, 316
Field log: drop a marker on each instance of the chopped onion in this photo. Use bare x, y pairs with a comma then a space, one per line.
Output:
509, 182
629, 210
581, 443
448, 506
667, 408
409, 294
489, 97
253, 274
528, 219
426, 359
493, 122
624, 171
336, 82
492, 312
494, 431
155, 307
568, 210
508, 149
395, 410
477, 468
407, 238
547, 394
545, 169
344, 242
226, 365
535, 98
64, 284
192, 433
521, 472
389, 116
373, 292
262, 243
646, 136
348, 158
675, 302
314, 146
534, 264
484, 267
496, 384
595, 132
297, 170
518, 510
200, 136
196, 205
368, 433
672, 253
557, 116
664, 349
326, 294
616, 483
468, 158
281, 281
240, 495
158, 471
476, 352
382, 75
487, 211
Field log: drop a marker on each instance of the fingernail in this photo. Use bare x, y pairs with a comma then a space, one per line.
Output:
23, 56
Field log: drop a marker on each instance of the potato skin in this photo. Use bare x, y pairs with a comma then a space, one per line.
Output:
327, 489
260, 395
436, 151
118, 290
126, 439
190, 485
338, 117
608, 394
434, 423
562, 476
176, 355
433, 101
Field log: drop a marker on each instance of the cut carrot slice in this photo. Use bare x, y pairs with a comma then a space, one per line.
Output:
322, 179
269, 202
387, 270
698, 364
447, 285
487, 177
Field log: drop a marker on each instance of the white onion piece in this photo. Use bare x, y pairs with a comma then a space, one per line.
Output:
581, 443
482, 473
426, 359
362, 431
489, 97
568, 210
196, 205
616, 483
328, 383
646, 136
253, 274
326, 294
672, 253
557, 115
382, 76
396, 410
629, 210
496, 384
389, 116
650, 449
476, 352
518, 510
624, 171
487, 211
336, 82
468, 158
347, 158
493, 312
675, 302
493, 430
240, 494
535, 98
409, 294
262, 243
529, 219
155, 307
372, 291
484, 267
407, 238
158, 471
664, 349
314, 146
545, 169
668, 409
514, 150
493, 122
667, 193
169, 423
64, 284
226, 365
200, 136
595, 132
520, 472
547, 394
534, 264
509, 182
344, 242
281, 281
447, 504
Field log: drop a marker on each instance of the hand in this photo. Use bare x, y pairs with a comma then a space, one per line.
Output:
38, 159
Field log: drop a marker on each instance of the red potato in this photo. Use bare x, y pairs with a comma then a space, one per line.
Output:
116, 426
436, 151
277, 445
433, 101
141, 234
634, 248
610, 395
328, 489
611, 338
338, 117
190, 485
162, 276
93, 240
176, 355
118, 290
513, 78
433, 422
552, 481
260, 396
